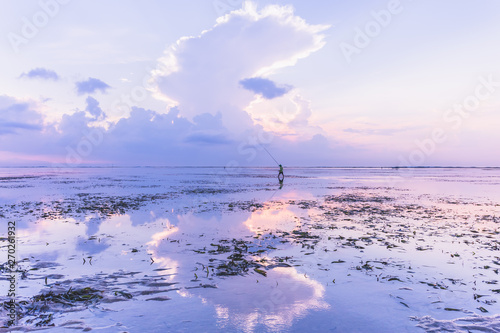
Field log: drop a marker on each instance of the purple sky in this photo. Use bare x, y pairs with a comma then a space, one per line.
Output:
376, 83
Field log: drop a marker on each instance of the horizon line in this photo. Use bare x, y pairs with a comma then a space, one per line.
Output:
244, 167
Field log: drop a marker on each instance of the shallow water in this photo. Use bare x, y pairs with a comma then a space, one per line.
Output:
209, 249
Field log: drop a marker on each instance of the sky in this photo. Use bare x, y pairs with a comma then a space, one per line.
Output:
224, 82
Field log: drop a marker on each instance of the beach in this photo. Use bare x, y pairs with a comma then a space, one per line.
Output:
177, 249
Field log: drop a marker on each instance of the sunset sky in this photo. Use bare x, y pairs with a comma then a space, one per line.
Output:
212, 82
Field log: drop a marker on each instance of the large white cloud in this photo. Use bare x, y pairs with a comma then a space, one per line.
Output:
202, 74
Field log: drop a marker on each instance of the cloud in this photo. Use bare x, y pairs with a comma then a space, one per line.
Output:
90, 86
287, 115
265, 87
208, 139
12, 127
381, 131
202, 74
146, 137
149, 137
208, 130
94, 109
41, 73
16, 117
206, 121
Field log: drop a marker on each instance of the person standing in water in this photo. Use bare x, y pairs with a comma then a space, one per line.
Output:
281, 175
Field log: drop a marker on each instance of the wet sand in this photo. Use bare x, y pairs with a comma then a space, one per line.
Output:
208, 249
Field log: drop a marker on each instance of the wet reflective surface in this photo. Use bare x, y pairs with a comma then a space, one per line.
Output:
208, 249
